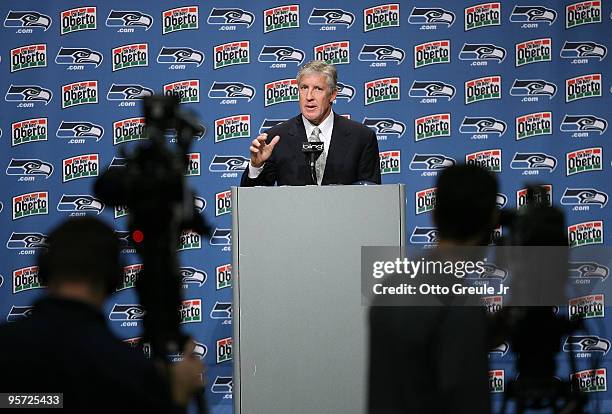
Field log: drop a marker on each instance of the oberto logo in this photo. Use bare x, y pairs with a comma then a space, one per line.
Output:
191, 311
335, 53
590, 380
390, 162
531, 125
190, 240
224, 276
29, 130
188, 91
481, 89
584, 160
496, 381
382, 90
425, 200
28, 57
585, 234
586, 307
533, 51
81, 18
282, 17
233, 53
432, 53
80, 166
193, 165
585, 12
30, 204
381, 16
130, 56
432, 126
26, 278
79, 93
482, 15
280, 91
129, 129
540, 198
581, 87
236, 126
181, 18
490, 160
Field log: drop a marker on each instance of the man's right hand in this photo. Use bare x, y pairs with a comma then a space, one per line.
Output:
260, 150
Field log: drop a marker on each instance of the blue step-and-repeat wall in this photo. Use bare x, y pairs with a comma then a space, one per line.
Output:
522, 89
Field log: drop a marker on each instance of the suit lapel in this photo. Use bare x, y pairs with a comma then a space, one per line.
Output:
336, 155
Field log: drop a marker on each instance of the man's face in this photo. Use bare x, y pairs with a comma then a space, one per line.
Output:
315, 97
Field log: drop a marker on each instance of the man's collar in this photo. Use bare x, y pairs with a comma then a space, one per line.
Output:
325, 126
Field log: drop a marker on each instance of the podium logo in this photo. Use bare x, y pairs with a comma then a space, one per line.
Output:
80, 203
432, 126
586, 343
181, 18
584, 160
130, 275
75, 20
482, 15
533, 161
432, 53
533, 14
585, 234
583, 50
30, 204
223, 203
539, 198
26, 278
424, 235
425, 200
131, 19
230, 17
180, 55
331, 17
533, 51
190, 240
483, 126
18, 313
29, 167
130, 56
126, 312
223, 276
584, 12
192, 275
78, 56
345, 91
191, 311
590, 380
382, 90
335, 53
531, 125
431, 16
385, 126
28, 93
584, 123
233, 53
482, 89
533, 87
381, 16
79, 93
431, 89
27, 57
280, 91
193, 167
282, 17
586, 307
496, 381
81, 166
482, 52
581, 87
28, 130
231, 127
390, 162
188, 91
224, 350
127, 130
490, 160
584, 197
431, 162
28, 20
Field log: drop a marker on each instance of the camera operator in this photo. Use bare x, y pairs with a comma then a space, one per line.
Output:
66, 346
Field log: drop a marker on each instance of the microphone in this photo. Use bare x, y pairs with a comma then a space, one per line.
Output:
313, 150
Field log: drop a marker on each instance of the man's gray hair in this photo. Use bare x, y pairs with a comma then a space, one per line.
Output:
319, 67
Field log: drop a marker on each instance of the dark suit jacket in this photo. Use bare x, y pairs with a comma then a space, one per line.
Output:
353, 155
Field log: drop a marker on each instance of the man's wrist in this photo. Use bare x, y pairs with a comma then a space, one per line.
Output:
255, 171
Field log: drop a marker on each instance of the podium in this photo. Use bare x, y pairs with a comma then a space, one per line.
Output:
299, 326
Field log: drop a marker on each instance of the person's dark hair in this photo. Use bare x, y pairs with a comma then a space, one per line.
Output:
82, 249
465, 203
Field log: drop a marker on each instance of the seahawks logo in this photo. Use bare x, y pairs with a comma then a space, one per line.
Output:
345, 91
432, 89
222, 385
19, 312
482, 51
533, 87
221, 237
281, 54
81, 203
126, 312
192, 275
200, 350
79, 130
533, 161
522, 14
118, 162
584, 196
230, 16
228, 163
28, 93
424, 235
125, 240
221, 310
385, 126
586, 343
431, 162
587, 270
27, 241
127, 92
482, 125
331, 17
224, 90
129, 19
29, 166
180, 55
584, 123
30, 19
431, 16
583, 50
78, 56
270, 123
492, 271
381, 53
501, 349
199, 203
501, 200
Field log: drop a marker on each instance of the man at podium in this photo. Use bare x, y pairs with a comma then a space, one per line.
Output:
350, 149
